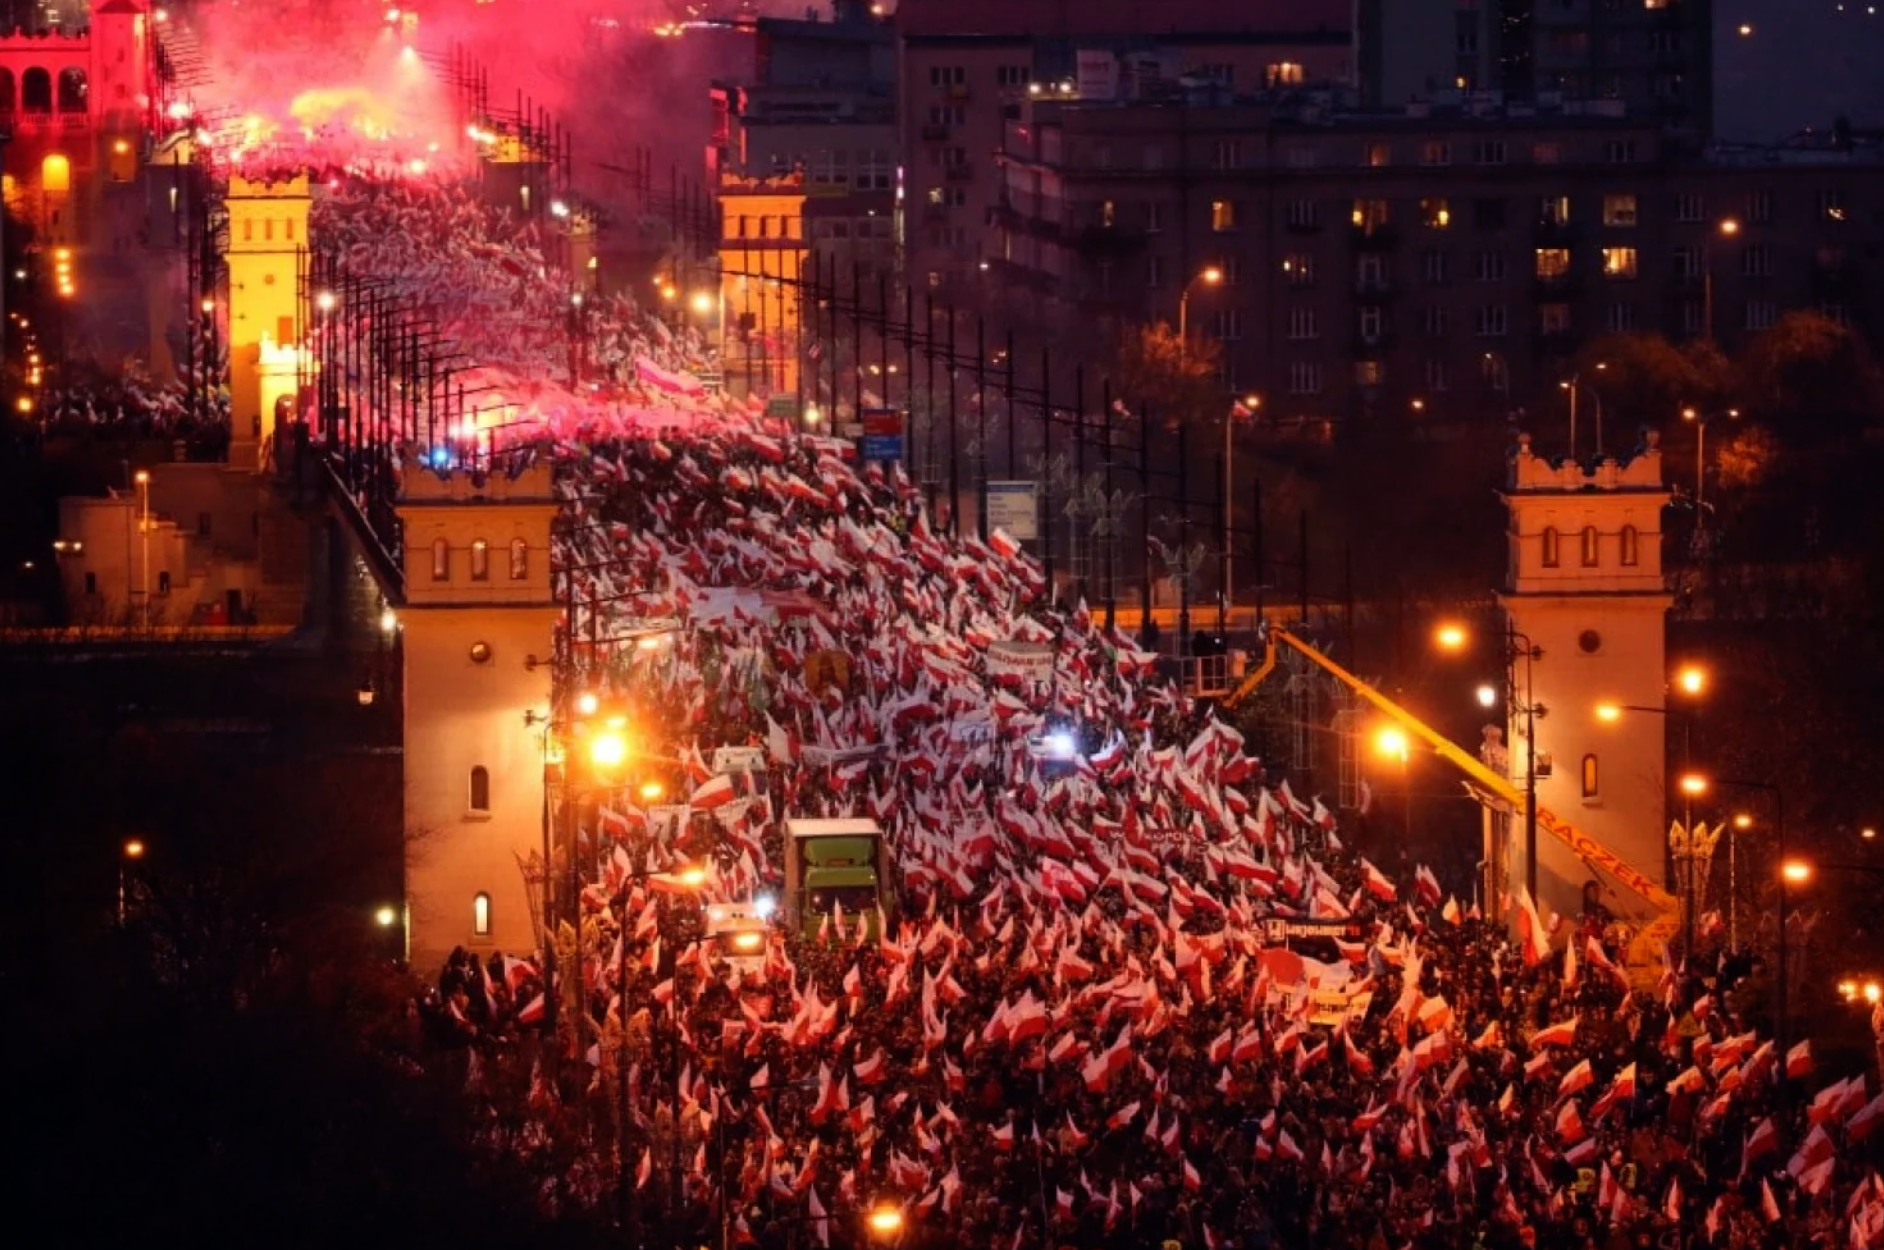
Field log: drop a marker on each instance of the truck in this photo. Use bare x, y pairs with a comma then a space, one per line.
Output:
737, 936
832, 864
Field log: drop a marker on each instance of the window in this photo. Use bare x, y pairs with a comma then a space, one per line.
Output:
1231, 267
1589, 776
1370, 215
1283, 74
1549, 542
1619, 151
1553, 262
480, 560
1302, 158
1489, 152
1630, 546
1300, 268
1228, 154
202, 524
163, 581
1547, 153
1372, 324
91, 583
1592, 547
519, 559
1227, 325
1433, 267
1760, 207
480, 789
1688, 262
1832, 205
1553, 319
1619, 210
1223, 216
1438, 378
1761, 314
1108, 214
1376, 155
1436, 152
1154, 217
1489, 214
1370, 273
1302, 214
1554, 210
1690, 207
481, 915
1693, 316
1433, 320
1154, 272
1304, 378
1302, 323
1619, 318
1756, 261
1369, 372
1434, 214
947, 75
1490, 321
1012, 75
1619, 262
441, 560
1488, 267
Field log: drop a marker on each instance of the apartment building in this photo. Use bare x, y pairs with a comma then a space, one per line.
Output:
1427, 262
966, 69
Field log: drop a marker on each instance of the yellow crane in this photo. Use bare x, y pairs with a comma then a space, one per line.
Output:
1658, 917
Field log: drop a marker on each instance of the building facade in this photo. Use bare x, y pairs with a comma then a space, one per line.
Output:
967, 69
1431, 262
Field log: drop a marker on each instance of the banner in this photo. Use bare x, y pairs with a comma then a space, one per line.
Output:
1029, 661
1277, 929
1332, 1007
739, 760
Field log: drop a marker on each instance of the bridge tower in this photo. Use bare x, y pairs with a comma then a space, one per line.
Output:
267, 242
478, 607
1584, 585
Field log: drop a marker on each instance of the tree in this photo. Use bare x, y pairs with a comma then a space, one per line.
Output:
1811, 377
1176, 381
1644, 379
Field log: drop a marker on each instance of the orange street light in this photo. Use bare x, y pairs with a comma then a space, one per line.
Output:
134, 849
651, 790
1795, 871
1391, 742
693, 877
885, 1221
1451, 637
1691, 680
1609, 713
1693, 785
609, 750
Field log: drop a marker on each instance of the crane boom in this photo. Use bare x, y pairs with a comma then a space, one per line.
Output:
1659, 918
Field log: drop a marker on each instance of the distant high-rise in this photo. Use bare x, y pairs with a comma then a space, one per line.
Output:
1654, 56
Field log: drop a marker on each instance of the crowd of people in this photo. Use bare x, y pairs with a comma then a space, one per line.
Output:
1083, 1027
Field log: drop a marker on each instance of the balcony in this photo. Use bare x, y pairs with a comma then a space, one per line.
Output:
1551, 233
1374, 238
962, 171
1372, 346
936, 132
1553, 287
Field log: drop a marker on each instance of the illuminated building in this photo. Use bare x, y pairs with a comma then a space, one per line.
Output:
267, 239
478, 607
762, 256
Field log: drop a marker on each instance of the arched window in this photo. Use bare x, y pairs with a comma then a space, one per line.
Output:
1592, 547
481, 914
1631, 546
72, 90
441, 560
1550, 547
480, 560
480, 789
519, 559
9, 94
36, 91
1590, 778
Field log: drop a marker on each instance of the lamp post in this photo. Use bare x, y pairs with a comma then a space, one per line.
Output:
1572, 386
133, 851
142, 479
1499, 368
1727, 229
1518, 646
1700, 458
1390, 742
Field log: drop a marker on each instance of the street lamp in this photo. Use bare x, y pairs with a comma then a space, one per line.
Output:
1390, 742
1573, 387
1700, 457
1453, 637
1727, 228
1210, 276
133, 851
142, 479
884, 1221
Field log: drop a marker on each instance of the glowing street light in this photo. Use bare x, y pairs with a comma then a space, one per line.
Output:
1795, 872
1487, 695
885, 1221
1691, 680
385, 917
1451, 637
1693, 785
651, 791
1609, 713
1390, 741
134, 849
702, 303
587, 702
609, 749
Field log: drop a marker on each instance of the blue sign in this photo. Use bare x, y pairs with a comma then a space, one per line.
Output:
882, 447
883, 434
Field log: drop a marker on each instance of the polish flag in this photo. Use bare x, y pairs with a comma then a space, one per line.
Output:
873, 1069
1765, 1137
1192, 1181
1769, 1206
1563, 1034
1578, 1078
1004, 1137
1376, 882
1450, 912
1532, 935
532, 1012
1570, 1124
1123, 1116
717, 792
1799, 1060
1863, 1124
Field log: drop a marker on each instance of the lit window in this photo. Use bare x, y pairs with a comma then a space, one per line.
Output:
1550, 547
519, 559
1618, 210
1222, 215
1436, 152
1435, 215
1589, 777
1283, 74
1553, 262
480, 560
1592, 547
1375, 155
1554, 210
481, 915
480, 789
1631, 546
441, 560
1619, 262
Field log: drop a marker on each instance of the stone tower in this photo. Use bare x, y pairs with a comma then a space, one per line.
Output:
479, 614
267, 243
1584, 585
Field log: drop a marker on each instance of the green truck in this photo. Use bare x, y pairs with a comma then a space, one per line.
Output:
837, 864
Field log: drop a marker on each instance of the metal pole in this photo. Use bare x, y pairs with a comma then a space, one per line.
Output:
1530, 772
1229, 484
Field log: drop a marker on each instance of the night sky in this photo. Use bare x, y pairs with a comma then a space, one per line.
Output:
1804, 63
